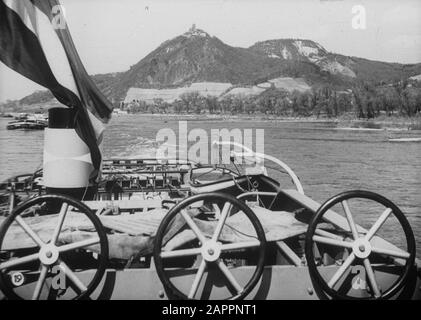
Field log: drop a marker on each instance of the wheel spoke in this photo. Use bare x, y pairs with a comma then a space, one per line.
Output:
70, 274
193, 226
333, 242
339, 273
350, 219
221, 222
230, 277
61, 217
372, 278
327, 234
397, 254
378, 223
217, 210
18, 261
197, 279
40, 282
79, 244
180, 253
240, 245
29, 231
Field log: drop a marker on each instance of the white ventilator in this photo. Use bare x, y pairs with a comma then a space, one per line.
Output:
67, 159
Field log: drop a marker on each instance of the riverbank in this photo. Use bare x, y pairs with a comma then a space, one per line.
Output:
348, 121
378, 123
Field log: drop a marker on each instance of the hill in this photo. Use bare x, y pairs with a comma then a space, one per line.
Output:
197, 57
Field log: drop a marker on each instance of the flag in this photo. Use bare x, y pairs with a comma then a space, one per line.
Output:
35, 41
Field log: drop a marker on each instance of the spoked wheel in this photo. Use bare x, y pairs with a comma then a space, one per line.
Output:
41, 257
369, 266
216, 241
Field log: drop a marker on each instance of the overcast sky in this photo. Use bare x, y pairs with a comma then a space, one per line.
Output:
112, 35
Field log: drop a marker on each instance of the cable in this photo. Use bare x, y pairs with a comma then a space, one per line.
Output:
243, 233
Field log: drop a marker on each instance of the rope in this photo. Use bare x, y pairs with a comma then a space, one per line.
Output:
243, 233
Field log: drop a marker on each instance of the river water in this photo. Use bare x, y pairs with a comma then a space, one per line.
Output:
328, 160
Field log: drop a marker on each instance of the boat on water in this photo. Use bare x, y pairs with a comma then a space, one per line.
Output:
119, 112
27, 124
161, 228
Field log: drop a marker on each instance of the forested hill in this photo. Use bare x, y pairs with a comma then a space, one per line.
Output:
196, 56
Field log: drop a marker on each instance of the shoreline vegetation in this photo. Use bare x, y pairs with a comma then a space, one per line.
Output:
348, 121
365, 106
378, 123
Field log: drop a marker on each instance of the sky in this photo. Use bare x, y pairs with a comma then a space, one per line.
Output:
112, 35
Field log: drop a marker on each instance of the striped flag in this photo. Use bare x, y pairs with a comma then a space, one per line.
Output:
35, 42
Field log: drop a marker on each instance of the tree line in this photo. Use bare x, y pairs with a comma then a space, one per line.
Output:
364, 100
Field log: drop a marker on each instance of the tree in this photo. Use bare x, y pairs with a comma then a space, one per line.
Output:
250, 106
160, 105
178, 106
211, 103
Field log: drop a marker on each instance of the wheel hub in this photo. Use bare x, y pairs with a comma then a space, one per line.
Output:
48, 254
361, 248
211, 250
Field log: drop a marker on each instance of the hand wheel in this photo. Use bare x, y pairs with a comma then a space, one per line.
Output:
37, 254
365, 256
209, 246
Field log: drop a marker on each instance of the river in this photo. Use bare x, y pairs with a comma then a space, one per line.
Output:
328, 160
